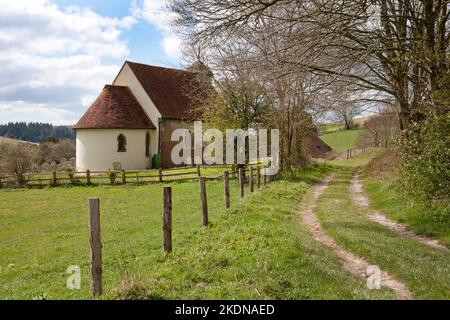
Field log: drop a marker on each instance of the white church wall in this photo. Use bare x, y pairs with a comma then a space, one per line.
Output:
97, 149
127, 78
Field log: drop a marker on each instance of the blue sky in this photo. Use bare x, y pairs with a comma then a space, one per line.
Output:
56, 55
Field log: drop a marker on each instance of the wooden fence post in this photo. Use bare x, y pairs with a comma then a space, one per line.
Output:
258, 177
204, 201
54, 179
88, 176
124, 177
167, 219
226, 188
241, 182
250, 181
96, 247
160, 175
265, 179
199, 172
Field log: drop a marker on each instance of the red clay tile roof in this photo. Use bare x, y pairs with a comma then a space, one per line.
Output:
175, 93
318, 147
115, 108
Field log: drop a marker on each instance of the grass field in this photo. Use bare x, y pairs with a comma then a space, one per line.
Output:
255, 250
45, 231
342, 140
14, 141
360, 160
329, 127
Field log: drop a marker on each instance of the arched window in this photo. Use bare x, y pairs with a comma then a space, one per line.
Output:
121, 143
147, 144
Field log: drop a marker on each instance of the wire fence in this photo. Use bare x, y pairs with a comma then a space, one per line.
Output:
44, 249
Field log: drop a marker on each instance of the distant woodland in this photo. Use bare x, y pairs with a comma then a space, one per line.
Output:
35, 131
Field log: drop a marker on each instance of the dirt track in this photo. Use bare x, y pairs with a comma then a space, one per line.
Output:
360, 199
350, 261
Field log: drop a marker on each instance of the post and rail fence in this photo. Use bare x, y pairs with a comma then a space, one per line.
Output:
110, 177
96, 268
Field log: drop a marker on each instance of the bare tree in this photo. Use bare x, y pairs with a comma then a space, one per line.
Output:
380, 130
54, 151
18, 159
394, 50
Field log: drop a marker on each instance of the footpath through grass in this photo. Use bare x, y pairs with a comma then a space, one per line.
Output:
382, 183
258, 250
255, 250
426, 271
429, 221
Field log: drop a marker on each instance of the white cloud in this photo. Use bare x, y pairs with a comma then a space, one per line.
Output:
52, 59
155, 12
172, 45
25, 111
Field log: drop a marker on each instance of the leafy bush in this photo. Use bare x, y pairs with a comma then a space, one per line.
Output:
424, 153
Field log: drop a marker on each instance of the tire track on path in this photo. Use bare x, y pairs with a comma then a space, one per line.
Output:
360, 199
350, 261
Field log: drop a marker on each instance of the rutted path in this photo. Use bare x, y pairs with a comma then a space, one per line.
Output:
360, 199
351, 262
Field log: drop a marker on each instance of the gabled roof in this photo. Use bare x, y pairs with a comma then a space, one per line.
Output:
318, 147
115, 108
175, 93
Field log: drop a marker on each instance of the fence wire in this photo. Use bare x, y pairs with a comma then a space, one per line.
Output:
34, 265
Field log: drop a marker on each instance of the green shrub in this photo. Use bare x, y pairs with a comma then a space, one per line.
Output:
424, 153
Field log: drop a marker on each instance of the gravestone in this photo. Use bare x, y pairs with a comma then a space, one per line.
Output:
117, 166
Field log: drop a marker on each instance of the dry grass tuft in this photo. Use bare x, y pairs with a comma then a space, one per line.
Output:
383, 166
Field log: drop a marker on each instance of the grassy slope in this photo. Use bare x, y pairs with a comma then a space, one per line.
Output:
359, 161
257, 249
425, 270
330, 127
386, 196
14, 141
339, 141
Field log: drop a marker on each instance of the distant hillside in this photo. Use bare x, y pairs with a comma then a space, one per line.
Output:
35, 132
8, 140
342, 140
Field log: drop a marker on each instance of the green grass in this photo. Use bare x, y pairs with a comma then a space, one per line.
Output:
424, 270
255, 250
342, 140
258, 249
37, 246
330, 127
431, 221
360, 160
